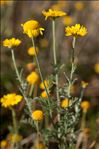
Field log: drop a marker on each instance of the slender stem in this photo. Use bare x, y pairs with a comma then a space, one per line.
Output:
37, 61
31, 90
14, 121
41, 76
72, 66
55, 63
16, 70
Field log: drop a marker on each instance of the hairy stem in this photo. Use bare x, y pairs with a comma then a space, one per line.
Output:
55, 63
72, 66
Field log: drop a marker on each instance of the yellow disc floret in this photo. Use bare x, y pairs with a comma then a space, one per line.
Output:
76, 30
10, 100
37, 115
33, 78
53, 13
32, 28
11, 42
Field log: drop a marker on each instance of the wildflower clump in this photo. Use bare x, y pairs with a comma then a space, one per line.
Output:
32, 28
33, 78
53, 14
76, 30
37, 115
85, 105
10, 100
10, 43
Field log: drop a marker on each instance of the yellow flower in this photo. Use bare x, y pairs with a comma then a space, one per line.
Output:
46, 82
68, 20
96, 67
3, 144
84, 84
79, 5
53, 13
33, 78
76, 30
85, 105
15, 138
44, 94
10, 100
32, 28
65, 103
13, 42
37, 115
31, 51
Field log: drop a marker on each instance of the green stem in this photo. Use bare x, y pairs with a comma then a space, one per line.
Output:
31, 90
55, 63
38, 65
41, 76
16, 70
14, 121
72, 66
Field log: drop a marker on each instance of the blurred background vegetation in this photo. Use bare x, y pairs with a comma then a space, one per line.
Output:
14, 13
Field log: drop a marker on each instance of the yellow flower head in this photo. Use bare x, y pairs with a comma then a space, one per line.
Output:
65, 103
10, 43
32, 28
53, 13
33, 78
96, 67
32, 52
44, 94
79, 6
3, 144
46, 82
85, 105
15, 138
76, 30
37, 115
10, 100
68, 20
84, 84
